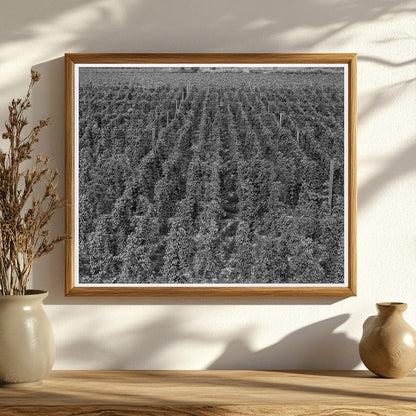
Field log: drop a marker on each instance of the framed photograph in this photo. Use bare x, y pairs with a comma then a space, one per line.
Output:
211, 174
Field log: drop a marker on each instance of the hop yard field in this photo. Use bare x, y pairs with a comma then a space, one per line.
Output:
211, 177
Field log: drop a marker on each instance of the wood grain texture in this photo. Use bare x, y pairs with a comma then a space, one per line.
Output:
352, 175
211, 411
210, 291
72, 59
69, 174
203, 393
212, 58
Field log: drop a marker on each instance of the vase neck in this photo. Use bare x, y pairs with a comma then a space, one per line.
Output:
390, 308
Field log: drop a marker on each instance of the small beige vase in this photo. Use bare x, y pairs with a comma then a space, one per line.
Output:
27, 347
388, 344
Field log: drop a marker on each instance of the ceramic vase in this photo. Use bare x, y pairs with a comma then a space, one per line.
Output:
27, 347
388, 345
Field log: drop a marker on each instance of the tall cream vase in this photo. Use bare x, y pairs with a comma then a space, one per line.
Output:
27, 347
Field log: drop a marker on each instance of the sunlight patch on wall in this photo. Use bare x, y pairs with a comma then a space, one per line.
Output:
44, 41
258, 24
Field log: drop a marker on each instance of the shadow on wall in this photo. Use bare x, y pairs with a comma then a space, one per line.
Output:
124, 26
142, 347
382, 97
48, 100
150, 26
313, 347
396, 167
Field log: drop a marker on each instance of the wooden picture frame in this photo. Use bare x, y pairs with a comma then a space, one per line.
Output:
292, 72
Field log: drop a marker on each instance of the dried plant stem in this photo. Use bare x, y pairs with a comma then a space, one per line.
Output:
23, 218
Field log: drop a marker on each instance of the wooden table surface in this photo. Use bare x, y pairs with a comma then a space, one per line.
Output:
254, 393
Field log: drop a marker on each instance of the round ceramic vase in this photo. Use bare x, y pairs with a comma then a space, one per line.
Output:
27, 347
388, 345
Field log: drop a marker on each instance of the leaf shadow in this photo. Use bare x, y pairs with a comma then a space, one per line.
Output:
315, 346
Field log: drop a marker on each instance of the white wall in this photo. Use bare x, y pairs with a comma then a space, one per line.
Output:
198, 333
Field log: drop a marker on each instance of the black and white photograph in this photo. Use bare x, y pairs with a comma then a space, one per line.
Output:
211, 174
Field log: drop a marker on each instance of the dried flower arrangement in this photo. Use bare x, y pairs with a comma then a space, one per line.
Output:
25, 210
